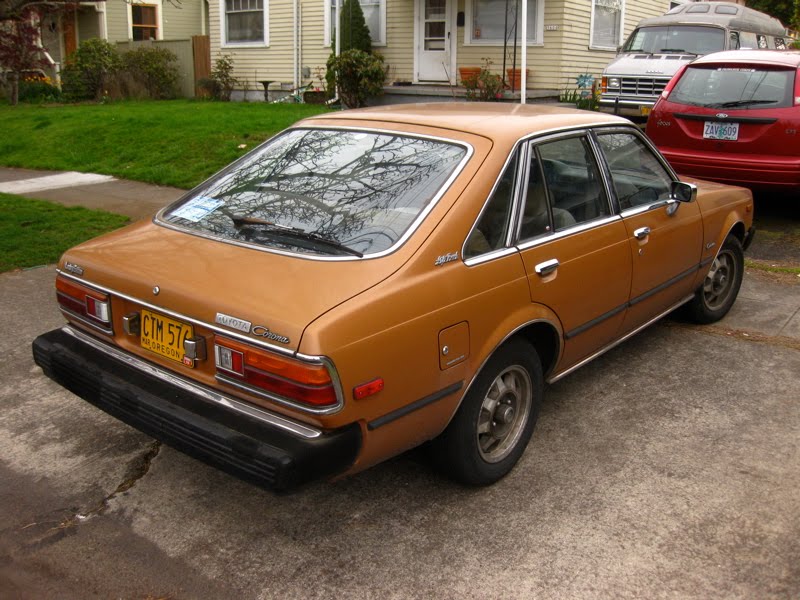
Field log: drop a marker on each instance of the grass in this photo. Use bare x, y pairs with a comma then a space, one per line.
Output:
770, 268
35, 232
177, 143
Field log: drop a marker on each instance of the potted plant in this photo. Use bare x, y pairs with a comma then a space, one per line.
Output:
485, 85
514, 77
316, 94
468, 75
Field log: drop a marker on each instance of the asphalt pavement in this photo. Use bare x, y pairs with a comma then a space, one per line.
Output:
667, 468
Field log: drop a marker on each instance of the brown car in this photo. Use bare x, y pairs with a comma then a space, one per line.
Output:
370, 280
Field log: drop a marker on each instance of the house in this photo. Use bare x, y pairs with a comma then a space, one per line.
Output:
425, 42
120, 21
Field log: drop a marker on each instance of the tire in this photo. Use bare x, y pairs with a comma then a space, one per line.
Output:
714, 298
495, 421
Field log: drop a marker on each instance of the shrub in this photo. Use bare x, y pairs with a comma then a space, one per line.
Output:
88, 69
485, 86
353, 28
154, 68
360, 76
221, 82
38, 90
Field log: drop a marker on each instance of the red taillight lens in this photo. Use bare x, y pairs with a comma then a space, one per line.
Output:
295, 380
797, 88
82, 301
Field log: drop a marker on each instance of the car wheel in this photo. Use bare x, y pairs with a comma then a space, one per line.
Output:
495, 421
714, 298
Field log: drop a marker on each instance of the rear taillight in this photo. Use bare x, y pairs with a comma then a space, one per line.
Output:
797, 88
87, 304
671, 83
302, 382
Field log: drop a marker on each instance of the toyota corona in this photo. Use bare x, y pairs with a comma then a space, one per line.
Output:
371, 280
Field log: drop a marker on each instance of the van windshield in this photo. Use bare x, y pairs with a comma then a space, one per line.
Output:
676, 39
742, 87
327, 192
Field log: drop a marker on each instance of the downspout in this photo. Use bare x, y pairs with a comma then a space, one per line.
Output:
295, 83
300, 43
337, 47
523, 78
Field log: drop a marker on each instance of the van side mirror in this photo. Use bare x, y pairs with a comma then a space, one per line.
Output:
683, 192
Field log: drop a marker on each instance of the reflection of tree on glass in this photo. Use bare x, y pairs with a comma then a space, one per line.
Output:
362, 190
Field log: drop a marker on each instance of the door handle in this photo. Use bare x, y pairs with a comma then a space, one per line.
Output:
641, 233
546, 267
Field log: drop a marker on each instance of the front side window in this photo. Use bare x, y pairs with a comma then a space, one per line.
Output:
638, 176
374, 14
606, 23
675, 39
323, 192
144, 25
494, 22
745, 87
245, 21
564, 188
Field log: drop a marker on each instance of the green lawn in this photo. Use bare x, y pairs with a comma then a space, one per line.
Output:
35, 232
176, 142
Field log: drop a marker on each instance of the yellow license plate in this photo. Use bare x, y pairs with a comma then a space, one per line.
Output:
165, 336
645, 110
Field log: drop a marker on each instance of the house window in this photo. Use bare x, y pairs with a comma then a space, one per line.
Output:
490, 24
144, 24
606, 24
245, 21
374, 14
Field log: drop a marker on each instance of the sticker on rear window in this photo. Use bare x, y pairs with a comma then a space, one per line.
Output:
197, 208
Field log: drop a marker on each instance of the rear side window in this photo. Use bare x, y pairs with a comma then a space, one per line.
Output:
735, 87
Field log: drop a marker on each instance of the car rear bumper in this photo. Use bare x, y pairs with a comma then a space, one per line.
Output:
761, 172
268, 450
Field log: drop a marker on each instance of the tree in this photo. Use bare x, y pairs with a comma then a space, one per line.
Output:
786, 11
20, 50
353, 28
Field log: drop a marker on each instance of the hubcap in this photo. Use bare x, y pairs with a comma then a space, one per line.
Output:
719, 282
503, 413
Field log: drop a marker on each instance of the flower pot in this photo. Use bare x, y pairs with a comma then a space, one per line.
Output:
315, 97
514, 78
469, 75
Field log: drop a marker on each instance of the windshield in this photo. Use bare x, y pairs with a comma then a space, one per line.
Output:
676, 39
323, 191
734, 87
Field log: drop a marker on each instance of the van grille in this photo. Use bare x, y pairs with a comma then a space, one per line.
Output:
643, 86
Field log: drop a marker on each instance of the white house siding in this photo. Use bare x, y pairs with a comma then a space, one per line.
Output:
399, 50
117, 21
182, 21
88, 24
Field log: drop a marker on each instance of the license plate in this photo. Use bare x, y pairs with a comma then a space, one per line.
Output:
165, 336
721, 131
645, 110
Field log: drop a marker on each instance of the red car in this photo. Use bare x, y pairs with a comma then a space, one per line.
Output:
733, 117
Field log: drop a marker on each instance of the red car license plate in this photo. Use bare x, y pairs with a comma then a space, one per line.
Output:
713, 130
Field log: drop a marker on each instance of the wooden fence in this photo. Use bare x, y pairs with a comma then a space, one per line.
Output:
194, 59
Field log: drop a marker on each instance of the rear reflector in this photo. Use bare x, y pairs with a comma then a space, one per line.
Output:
368, 389
298, 381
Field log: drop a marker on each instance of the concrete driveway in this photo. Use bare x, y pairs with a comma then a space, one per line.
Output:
669, 468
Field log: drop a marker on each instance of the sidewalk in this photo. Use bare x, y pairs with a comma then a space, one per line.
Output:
764, 309
130, 198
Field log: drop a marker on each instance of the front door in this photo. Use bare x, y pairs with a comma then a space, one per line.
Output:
434, 49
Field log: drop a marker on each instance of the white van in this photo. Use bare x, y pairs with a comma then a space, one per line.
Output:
659, 46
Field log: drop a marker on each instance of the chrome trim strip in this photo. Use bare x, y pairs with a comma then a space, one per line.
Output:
201, 392
72, 315
494, 254
222, 378
615, 343
416, 405
579, 228
158, 218
170, 313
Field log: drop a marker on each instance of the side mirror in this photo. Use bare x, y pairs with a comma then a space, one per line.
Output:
683, 192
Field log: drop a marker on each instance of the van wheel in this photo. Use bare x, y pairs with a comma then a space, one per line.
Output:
495, 421
714, 298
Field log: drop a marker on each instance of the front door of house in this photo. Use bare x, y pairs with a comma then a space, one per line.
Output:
433, 41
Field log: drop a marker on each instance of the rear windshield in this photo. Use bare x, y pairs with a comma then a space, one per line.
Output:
676, 39
324, 192
735, 87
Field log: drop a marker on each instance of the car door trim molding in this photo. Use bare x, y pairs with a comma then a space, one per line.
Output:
414, 406
596, 321
726, 118
662, 286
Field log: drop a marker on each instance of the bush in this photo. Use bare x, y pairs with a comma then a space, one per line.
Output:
154, 68
360, 76
353, 28
88, 69
485, 86
38, 90
221, 82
